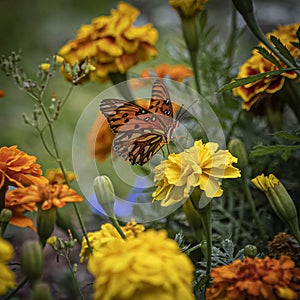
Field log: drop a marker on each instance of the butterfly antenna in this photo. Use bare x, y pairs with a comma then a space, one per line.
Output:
179, 116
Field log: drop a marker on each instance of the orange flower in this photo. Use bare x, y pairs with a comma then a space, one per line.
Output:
255, 279
24, 199
178, 72
18, 168
253, 92
111, 43
2, 93
56, 176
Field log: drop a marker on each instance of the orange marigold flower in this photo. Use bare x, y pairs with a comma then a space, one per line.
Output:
188, 8
18, 168
178, 72
254, 92
255, 279
112, 43
2, 93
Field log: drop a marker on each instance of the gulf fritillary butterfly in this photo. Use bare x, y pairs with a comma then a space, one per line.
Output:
141, 132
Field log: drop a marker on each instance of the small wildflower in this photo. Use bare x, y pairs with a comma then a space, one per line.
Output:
59, 59
45, 67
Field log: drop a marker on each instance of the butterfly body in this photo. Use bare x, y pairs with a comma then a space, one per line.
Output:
141, 132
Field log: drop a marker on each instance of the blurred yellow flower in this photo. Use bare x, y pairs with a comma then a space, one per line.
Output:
112, 43
17, 168
7, 277
45, 67
108, 232
188, 8
255, 279
56, 176
150, 266
253, 93
201, 165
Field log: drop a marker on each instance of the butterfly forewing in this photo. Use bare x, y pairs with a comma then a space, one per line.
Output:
140, 133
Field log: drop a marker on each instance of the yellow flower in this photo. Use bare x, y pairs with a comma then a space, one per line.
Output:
253, 93
255, 279
45, 67
56, 176
7, 277
18, 168
201, 165
59, 59
108, 232
112, 43
188, 8
149, 266
177, 72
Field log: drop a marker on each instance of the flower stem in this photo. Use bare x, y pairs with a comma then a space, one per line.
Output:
118, 227
20, 285
193, 56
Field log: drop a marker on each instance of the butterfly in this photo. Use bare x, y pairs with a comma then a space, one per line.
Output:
140, 132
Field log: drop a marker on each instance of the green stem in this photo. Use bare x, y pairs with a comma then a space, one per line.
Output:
123, 88
118, 227
293, 96
2, 196
189, 251
63, 102
193, 56
252, 205
14, 292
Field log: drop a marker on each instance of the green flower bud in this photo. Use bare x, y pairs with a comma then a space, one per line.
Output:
250, 251
5, 215
280, 200
237, 149
41, 291
105, 194
45, 223
32, 260
243, 6
190, 33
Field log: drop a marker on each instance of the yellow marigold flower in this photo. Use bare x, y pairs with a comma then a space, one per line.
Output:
177, 72
255, 279
18, 168
188, 8
56, 176
150, 266
254, 92
112, 43
107, 233
45, 67
7, 277
201, 165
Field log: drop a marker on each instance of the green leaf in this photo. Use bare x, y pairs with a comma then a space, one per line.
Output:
269, 56
261, 150
282, 49
287, 136
245, 80
298, 33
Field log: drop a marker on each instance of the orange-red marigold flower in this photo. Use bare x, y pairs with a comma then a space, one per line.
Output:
255, 279
18, 168
253, 92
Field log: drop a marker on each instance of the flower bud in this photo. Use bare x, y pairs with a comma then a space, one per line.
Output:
243, 6
41, 291
280, 201
5, 215
105, 194
59, 59
45, 67
46, 220
32, 260
237, 149
52, 242
250, 251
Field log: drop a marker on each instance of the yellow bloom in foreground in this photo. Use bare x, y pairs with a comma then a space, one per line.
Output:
150, 266
45, 67
7, 277
108, 232
255, 279
253, 93
201, 165
188, 8
112, 43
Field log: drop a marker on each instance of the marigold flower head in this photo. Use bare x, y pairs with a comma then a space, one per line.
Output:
2, 93
177, 72
112, 43
24, 199
254, 92
255, 279
107, 233
188, 8
146, 267
7, 277
57, 176
18, 168
201, 165
284, 244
